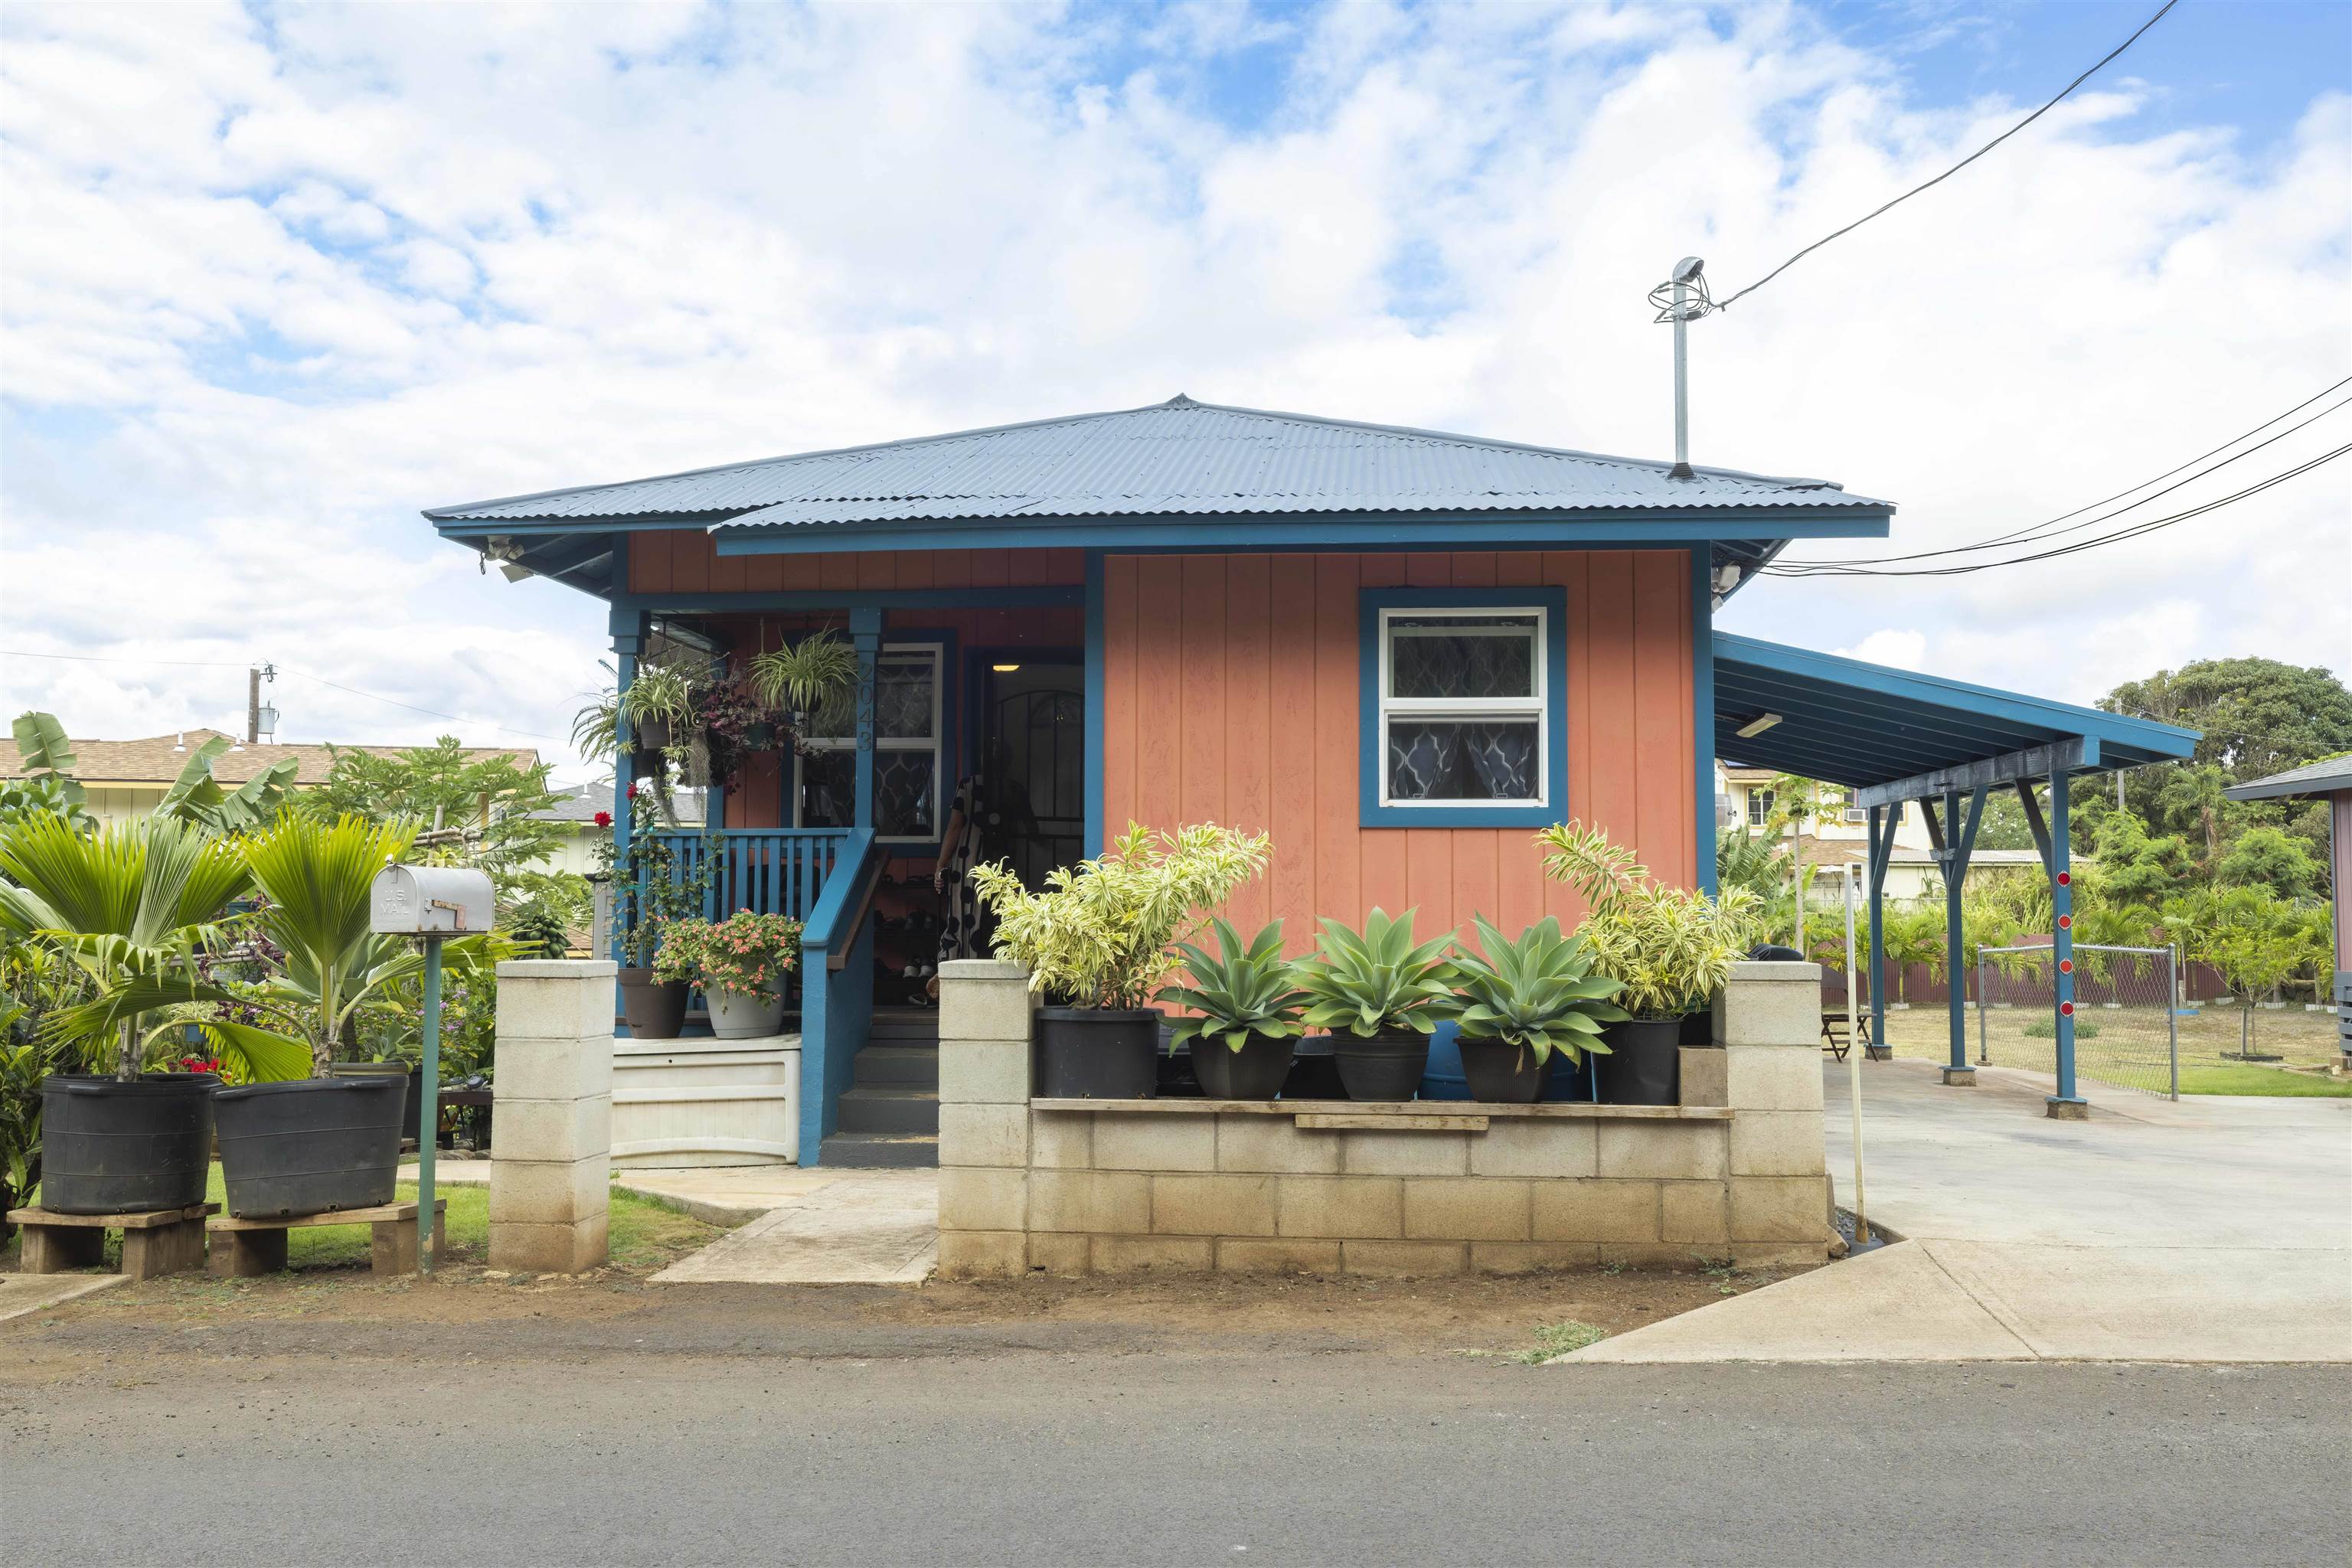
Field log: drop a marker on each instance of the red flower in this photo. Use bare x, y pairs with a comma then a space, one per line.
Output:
603, 819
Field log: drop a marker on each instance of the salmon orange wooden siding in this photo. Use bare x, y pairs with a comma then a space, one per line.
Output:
1231, 694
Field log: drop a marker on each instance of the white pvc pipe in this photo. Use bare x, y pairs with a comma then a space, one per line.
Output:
1854, 1055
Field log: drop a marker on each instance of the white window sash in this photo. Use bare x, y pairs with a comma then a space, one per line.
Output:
1535, 707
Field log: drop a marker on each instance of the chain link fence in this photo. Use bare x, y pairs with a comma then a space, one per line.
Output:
2126, 1017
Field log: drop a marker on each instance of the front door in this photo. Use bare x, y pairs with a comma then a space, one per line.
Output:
1031, 750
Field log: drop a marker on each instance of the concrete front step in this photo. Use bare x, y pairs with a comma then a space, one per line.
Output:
896, 1110
897, 1067
874, 1150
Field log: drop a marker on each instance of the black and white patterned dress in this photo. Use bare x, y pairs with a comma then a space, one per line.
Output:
959, 920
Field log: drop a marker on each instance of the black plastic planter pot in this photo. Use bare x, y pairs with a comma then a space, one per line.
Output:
651, 734
110, 1147
1381, 1066
654, 1011
1096, 1053
411, 1098
309, 1146
1505, 1074
1256, 1071
1643, 1066
1314, 1070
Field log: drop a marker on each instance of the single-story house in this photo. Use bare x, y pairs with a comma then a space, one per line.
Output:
2329, 779
1399, 651
124, 780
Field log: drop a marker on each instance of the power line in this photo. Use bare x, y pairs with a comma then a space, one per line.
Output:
2035, 532
298, 674
2133, 531
1704, 306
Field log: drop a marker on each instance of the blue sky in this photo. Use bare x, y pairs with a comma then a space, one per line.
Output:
272, 280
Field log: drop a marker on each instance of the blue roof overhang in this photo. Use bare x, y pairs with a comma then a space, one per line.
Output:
1872, 726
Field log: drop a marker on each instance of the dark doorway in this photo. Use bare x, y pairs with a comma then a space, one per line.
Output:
1031, 735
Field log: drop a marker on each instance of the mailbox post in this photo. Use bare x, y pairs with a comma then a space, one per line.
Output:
434, 902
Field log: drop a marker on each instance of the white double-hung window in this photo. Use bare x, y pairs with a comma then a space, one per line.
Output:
1464, 713
908, 733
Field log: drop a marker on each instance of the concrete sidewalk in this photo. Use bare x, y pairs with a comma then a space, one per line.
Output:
2217, 1230
844, 1228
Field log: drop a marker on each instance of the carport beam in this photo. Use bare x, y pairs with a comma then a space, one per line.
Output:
2065, 1103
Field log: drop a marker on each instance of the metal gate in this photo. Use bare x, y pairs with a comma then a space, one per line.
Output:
2126, 1013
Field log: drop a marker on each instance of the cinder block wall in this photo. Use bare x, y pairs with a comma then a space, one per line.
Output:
551, 1164
1737, 1172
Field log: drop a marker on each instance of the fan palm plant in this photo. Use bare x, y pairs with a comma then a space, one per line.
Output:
133, 908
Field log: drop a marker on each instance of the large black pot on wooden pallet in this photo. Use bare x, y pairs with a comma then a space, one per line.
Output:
654, 1011
1504, 1074
412, 1097
1643, 1066
310, 1146
1381, 1066
114, 1147
1097, 1053
1256, 1071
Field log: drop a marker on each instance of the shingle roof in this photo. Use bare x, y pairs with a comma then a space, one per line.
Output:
158, 759
1179, 456
2324, 777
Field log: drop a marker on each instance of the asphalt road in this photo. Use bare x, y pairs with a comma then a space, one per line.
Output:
1039, 1459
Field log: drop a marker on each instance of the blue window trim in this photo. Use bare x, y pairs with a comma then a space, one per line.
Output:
949, 745
1553, 602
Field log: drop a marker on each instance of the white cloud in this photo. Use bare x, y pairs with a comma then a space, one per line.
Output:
269, 289
1890, 645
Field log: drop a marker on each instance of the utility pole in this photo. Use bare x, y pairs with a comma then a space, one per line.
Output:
253, 679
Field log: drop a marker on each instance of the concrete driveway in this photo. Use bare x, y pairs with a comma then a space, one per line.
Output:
2213, 1230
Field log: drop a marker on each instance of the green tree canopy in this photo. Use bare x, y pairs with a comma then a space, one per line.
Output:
2259, 716
487, 798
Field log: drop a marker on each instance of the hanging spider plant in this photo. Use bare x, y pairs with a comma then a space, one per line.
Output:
813, 679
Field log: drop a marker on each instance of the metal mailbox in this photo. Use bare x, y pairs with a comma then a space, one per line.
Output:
430, 900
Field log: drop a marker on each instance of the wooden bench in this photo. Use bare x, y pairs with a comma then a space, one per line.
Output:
244, 1249
1837, 1036
154, 1241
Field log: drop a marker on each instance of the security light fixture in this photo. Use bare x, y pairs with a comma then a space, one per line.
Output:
1005, 669
1757, 726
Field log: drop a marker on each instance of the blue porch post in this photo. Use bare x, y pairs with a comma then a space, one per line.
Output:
1960, 838
865, 636
1701, 615
2065, 1103
630, 630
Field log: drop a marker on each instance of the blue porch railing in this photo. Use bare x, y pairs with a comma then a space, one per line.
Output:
836, 985
769, 871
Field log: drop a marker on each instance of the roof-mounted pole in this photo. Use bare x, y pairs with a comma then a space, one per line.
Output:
1686, 272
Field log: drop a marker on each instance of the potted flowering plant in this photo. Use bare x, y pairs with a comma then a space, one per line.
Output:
742, 965
736, 722
677, 966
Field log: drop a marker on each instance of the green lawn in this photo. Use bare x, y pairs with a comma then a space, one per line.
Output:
2261, 1081
644, 1236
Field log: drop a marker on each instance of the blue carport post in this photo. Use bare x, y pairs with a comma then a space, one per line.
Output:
1882, 850
2065, 1104
1960, 838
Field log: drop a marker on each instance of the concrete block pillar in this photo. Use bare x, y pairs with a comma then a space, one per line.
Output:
1767, 1022
552, 1121
985, 1008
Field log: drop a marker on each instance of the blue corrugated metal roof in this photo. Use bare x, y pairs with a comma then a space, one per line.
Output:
1174, 457
1849, 722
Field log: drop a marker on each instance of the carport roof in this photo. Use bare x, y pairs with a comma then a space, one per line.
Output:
1848, 722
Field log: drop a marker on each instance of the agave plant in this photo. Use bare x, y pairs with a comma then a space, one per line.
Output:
134, 909
1240, 992
1542, 993
1377, 982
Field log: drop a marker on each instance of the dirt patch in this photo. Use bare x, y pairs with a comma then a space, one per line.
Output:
470, 1312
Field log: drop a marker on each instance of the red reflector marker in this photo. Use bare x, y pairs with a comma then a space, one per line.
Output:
2066, 966
2066, 922
2066, 879
2066, 1009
